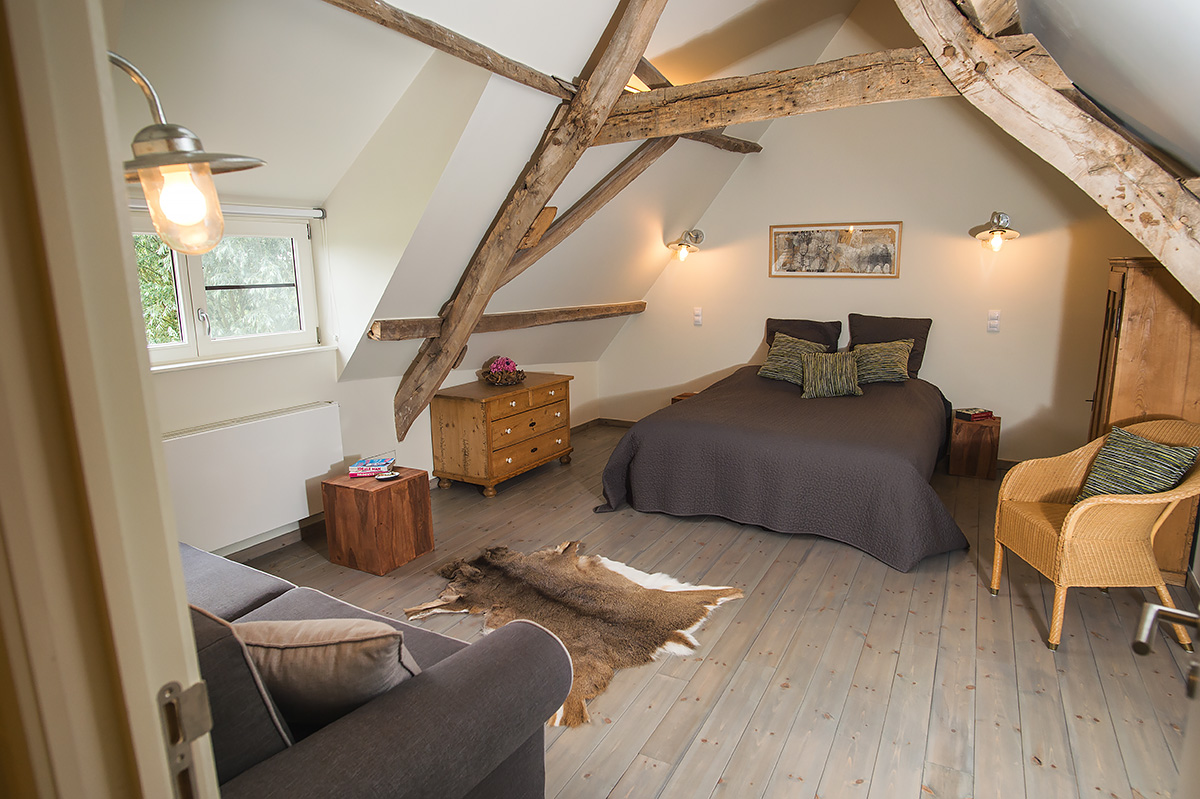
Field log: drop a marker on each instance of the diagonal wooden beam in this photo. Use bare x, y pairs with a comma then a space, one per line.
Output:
570, 133
596, 198
1145, 199
442, 38
991, 16
882, 77
431, 327
446, 40
648, 74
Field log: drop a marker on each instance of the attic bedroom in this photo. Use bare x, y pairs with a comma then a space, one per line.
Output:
438, 428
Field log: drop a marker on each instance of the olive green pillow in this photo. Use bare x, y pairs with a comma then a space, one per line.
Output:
885, 362
833, 374
783, 361
1130, 464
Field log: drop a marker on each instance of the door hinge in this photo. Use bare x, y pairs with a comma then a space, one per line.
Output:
185, 716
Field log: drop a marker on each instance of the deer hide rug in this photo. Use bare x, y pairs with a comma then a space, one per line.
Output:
608, 615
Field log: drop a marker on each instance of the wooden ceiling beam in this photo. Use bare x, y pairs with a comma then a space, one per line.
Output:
431, 327
1144, 198
569, 134
991, 17
442, 38
648, 74
595, 199
882, 77
446, 40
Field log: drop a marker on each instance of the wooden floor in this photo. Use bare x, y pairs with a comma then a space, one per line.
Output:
835, 676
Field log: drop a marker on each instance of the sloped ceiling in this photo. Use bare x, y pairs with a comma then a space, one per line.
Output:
1139, 61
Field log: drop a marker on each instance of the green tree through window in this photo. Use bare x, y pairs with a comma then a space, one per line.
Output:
156, 281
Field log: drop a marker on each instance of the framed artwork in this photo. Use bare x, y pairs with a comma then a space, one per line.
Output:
858, 249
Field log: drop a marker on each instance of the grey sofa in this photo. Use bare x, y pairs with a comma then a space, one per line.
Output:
469, 725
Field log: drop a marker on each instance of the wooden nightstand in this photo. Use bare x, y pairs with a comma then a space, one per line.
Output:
974, 447
484, 434
377, 525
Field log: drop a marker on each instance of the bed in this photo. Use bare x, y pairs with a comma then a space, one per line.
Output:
854, 469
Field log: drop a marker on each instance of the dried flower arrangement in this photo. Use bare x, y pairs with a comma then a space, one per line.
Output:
501, 371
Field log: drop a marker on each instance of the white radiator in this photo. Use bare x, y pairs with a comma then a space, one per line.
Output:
240, 479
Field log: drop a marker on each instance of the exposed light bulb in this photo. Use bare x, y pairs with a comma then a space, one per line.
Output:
996, 241
682, 252
182, 201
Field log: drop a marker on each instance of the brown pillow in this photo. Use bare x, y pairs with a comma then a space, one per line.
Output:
320, 669
826, 333
878, 329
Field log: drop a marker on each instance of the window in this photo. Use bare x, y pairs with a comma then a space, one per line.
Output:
252, 293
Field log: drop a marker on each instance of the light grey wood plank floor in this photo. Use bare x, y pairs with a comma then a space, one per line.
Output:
835, 676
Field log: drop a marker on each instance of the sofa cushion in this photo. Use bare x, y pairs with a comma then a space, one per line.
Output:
318, 670
426, 647
224, 587
247, 728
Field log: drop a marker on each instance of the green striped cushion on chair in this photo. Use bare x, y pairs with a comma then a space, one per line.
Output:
783, 361
1130, 464
886, 362
833, 374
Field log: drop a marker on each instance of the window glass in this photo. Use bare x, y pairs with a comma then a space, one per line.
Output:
250, 287
159, 289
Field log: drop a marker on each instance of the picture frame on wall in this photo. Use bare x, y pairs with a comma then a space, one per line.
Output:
848, 249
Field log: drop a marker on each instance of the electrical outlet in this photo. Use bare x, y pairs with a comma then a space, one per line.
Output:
993, 322
697, 316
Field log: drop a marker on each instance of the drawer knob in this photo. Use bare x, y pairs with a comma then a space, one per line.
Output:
558, 441
557, 414
533, 450
533, 424
508, 460
513, 403
552, 393
507, 430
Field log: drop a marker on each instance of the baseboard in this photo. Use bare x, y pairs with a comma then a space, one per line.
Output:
601, 423
260, 545
1003, 465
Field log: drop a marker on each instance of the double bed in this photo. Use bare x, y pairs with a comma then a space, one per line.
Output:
851, 468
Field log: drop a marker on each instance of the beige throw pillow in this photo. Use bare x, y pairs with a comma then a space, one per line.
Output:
320, 669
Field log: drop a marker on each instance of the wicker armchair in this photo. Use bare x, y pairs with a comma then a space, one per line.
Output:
1103, 541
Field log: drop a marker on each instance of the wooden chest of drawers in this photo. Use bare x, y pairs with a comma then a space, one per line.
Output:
484, 434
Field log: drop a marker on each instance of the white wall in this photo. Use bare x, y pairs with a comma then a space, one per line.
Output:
941, 168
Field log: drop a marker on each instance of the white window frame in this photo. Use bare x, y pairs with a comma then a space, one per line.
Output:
189, 289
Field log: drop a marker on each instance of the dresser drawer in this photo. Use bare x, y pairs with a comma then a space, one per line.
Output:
512, 429
551, 393
517, 458
506, 406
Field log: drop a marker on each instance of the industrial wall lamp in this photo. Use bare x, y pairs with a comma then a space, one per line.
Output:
687, 243
176, 176
995, 232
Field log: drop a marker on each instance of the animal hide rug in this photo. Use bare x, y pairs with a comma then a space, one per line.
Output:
608, 615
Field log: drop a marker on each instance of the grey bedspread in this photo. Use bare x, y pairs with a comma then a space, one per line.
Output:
749, 449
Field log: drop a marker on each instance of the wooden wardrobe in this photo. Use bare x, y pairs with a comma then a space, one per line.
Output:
1150, 369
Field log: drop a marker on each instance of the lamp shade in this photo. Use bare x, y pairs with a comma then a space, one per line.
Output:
995, 232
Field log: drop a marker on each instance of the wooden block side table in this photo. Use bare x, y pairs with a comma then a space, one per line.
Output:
974, 447
374, 525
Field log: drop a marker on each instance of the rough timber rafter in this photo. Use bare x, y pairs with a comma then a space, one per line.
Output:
570, 133
589, 204
431, 327
882, 77
471, 51
990, 16
1147, 201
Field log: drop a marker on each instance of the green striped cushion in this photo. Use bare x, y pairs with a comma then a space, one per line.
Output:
886, 362
832, 374
1130, 464
783, 361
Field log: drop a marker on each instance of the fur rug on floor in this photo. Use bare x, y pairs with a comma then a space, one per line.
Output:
608, 615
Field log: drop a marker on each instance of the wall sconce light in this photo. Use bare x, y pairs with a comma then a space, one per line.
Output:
176, 176
688, 243
995, 232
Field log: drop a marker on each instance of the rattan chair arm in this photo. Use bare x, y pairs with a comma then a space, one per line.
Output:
1125, 516
1056, 479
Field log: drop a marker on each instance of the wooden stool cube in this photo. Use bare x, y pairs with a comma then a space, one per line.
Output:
974, 447
374, 525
